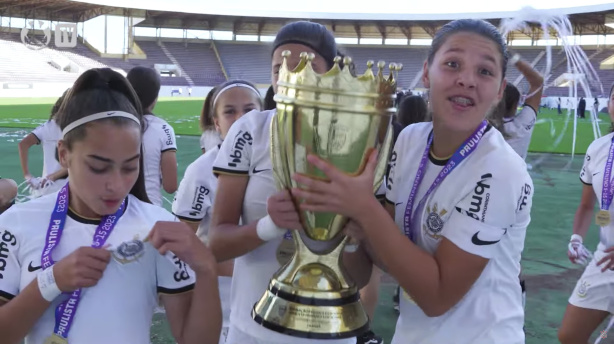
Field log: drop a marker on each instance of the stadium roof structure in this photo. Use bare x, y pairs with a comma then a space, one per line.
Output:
590, 23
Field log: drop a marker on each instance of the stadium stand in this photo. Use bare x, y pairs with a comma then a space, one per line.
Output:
198, 64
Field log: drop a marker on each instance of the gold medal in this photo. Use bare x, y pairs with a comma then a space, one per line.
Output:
603, 218
285, 251
55, 339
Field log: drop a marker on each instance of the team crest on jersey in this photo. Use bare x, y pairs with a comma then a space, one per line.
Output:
129, 251
434, 221
583, 289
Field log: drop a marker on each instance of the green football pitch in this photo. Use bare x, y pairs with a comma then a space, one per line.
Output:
553, 133
550, 277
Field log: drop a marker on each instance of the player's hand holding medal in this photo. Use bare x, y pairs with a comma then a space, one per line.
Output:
180, 239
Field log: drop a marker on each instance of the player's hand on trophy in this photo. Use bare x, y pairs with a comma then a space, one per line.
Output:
282, 211
81, 269
342, 194
180, 239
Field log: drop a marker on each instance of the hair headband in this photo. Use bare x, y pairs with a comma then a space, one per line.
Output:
233, 86
97, 116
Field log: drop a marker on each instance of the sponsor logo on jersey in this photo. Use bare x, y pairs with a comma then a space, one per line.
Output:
434, 221
169, 137
242, 139
392, 164
181, 274
32, 268
8, 240
525, 193
480, 198
198, 200
530, 125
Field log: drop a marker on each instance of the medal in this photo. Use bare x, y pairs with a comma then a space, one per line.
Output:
603, 218
129, 251
55, 339
461, 154
66, 310
285, 251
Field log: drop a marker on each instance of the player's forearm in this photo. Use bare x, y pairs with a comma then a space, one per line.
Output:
534, 78
416, 270
203, 322
358, 265
23, 160
59, 174
582, 220
228, 241
18, 316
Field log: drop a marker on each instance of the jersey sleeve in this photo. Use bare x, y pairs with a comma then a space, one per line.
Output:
202, 141
168, 138
235, 153
10, 269
391, 191
193, 196
496, 204
173, 275
522, 123
586, 175
39, 132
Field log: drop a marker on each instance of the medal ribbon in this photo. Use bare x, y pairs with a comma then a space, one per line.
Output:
65, 311
461, 153
607, 191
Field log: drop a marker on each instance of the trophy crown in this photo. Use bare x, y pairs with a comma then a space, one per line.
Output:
340, 79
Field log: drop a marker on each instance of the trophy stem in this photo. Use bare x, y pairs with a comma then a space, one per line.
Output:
312, 297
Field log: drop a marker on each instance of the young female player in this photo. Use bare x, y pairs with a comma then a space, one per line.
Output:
194, 200
159, 143
518, 125
47, 135
8, 193
592, 299
245, 181
77, 259
457, 255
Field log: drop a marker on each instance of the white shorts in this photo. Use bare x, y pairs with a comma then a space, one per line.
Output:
595, 289
236, 336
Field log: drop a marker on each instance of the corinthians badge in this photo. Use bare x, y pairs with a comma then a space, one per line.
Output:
129, 251
434, 223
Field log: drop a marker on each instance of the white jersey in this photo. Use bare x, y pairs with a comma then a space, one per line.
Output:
48, 135
209, 139
483, 206
246, 152
520, 129
194, 201
592, 174
124, 298
158, 138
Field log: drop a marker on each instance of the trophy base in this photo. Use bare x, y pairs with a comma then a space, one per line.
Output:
311, 297
310, 316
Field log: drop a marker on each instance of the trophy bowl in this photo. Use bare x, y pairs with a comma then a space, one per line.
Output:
341, 118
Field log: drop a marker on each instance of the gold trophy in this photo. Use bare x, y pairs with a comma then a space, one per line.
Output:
342, 119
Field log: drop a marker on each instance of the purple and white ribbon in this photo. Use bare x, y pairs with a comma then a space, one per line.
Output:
461, 154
